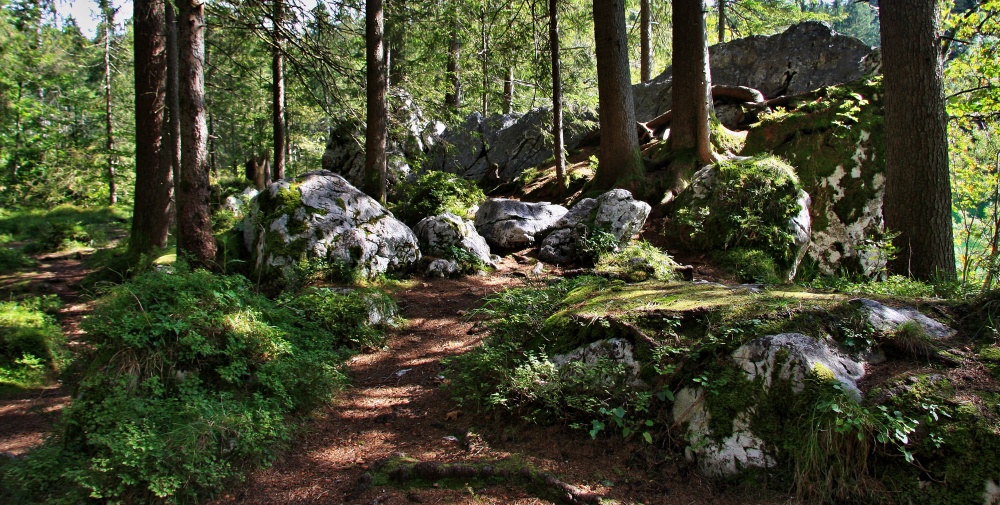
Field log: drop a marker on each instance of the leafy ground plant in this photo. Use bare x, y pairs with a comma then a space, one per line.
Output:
193, 380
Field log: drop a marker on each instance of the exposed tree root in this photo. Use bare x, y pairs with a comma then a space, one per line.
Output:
402, 470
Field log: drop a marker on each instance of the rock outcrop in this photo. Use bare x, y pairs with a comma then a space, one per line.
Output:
498, 149
804, 57
790, 358
320, 217
887, 320
837, 146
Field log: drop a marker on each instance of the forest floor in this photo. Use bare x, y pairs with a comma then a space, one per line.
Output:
395, 406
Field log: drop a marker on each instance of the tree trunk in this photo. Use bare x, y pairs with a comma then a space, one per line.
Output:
195, 238
151, 214
109, 23
508, 91
645, 34
722, 20
557, 112
917, 201
453, 98
620, 163
692, 89
375, 135
172, 138
278, 91
486, 62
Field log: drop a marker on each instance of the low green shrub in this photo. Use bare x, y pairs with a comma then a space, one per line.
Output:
14, 259
435, 193
511, 371
193, 381
31, 343
358, 317
897, 286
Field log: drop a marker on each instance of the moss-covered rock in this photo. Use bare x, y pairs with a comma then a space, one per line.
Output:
322, 221
744, 203
836, 142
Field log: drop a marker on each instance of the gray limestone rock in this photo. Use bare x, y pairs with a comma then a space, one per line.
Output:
615, 212
320, 217
800, 356
511, 224
510, 144
438, 235
741, 450
615, 349
887, 319
443, 268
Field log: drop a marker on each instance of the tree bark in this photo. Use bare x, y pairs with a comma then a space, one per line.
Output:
375, 135
508, 91
195, 238
278, 91
151, 214
557, 107
917, 201
645, 34
620, 163
485, 61
692, 88
453, 98
109, 23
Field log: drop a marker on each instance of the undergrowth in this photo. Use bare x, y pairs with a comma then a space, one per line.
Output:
193, 381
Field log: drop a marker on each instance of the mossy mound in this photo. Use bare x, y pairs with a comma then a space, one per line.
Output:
835, 139
743, 203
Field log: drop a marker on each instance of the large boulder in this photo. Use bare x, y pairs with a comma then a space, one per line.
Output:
614, 212
511, 224
319, 217
790, 359
804, 57
501, 147
448, 235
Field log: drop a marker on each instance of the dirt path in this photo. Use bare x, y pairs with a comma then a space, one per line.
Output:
397, 407
27, 417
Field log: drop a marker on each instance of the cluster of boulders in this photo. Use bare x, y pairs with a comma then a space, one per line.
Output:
321, 218
792, 359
